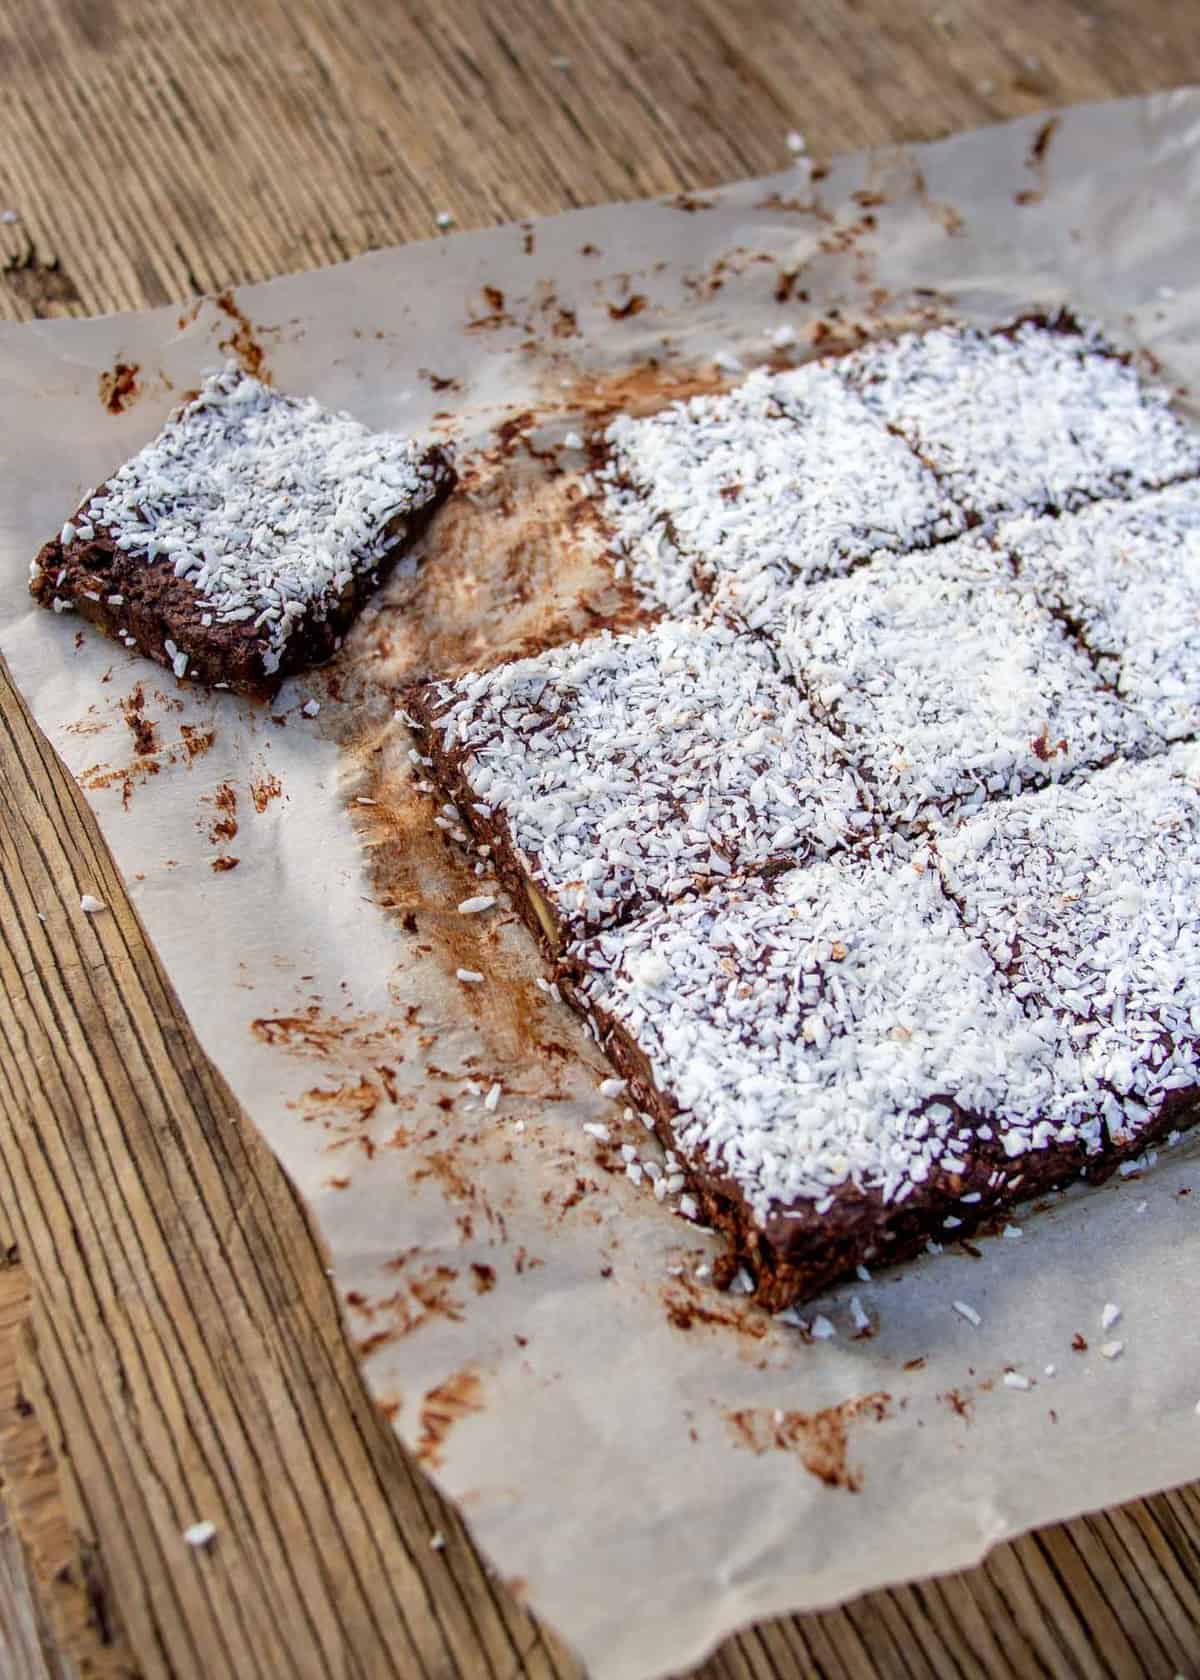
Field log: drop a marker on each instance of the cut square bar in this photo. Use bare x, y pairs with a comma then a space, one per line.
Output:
238, 546
1126, 577
1088, 896
612, 773
945, 679
789, 470
1039, 417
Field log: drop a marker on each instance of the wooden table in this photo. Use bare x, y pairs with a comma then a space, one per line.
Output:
169, 1345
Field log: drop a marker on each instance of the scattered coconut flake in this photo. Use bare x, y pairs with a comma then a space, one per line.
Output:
469, 976
90, 905
1051, 1369
862, 1274
475, 906
361, 799
310, 708
687, 1207
493, 1097
822, 1328
791, 1315
444, 219
1110, 1315
611, 1087
8, 217
967, 1311
1014, 1379
786, 334
519, 1126
743, 1283
796, 143
1112, 1350
437, 1540
572, 440
200, 1533
859, 1316
728, 361
1012, 1232
595, 1129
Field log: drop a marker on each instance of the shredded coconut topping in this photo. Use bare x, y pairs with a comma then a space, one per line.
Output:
873, 1018
1035, 418
269, 505
630, 767
946, 679
835, 1026
1128, 576
1088, 896
788, 470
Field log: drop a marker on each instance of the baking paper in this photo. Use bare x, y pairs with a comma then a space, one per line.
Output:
650, 1463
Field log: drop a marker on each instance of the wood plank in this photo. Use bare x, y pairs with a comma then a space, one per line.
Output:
180, 1352
268, 136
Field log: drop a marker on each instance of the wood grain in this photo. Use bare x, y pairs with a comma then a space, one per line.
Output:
169, 1345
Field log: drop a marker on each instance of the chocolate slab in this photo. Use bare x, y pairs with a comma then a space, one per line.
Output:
238, 546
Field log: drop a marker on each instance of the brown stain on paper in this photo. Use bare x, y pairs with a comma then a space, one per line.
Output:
688, 1304
421, 1297
145, 735
244, 342
442, 1408
224, 825
119, 387
820, 1440
263, 790
150, 753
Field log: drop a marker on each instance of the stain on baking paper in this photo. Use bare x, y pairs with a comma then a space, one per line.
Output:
99, 777
244, 342
151, 754
312, 1032
689, 1305
263, 790
442, 1408
439, 381
145, 735
355, 1101
119, 387
420, 875
425, 1295
793, 205
223, 864
87, 725
1036, 163
195, 741
820, 1440
224, 825
495, 314
633, 305
960, 1404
